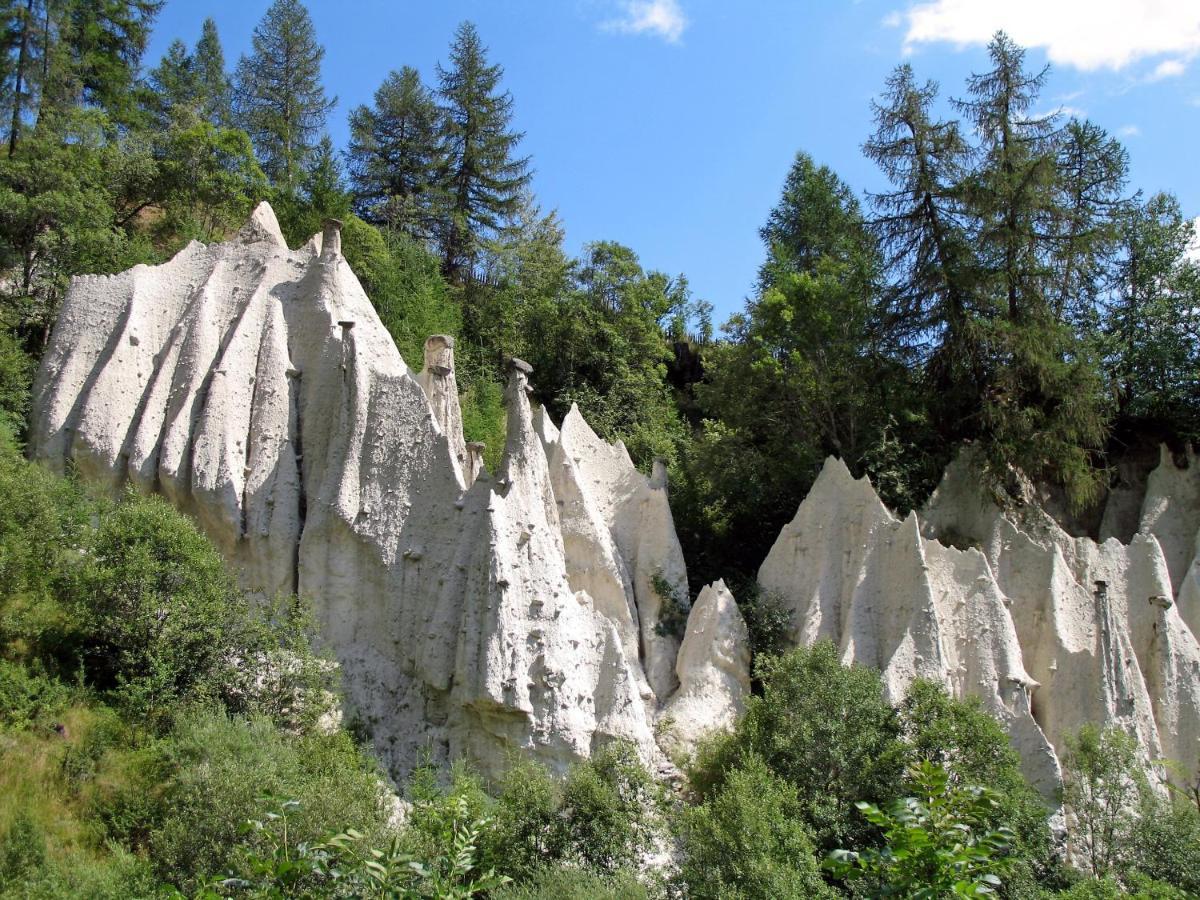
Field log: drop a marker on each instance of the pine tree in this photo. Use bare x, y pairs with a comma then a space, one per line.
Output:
172, 84
481, 180
278, 95
1091, 171
393, 155
101, 43
24, 46
1152, 318
212, 82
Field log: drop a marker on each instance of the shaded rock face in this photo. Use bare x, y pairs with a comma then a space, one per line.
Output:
1049, 630
255, 388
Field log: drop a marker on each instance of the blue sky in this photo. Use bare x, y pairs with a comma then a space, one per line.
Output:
669, 125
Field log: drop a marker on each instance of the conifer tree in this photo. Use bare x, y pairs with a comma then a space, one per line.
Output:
393, 155
100, 45
24, 47
481, 179
278, 96
189, 86
1043, 407
172, 84
212, 81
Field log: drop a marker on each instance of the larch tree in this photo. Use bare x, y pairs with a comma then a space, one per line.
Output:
278, 96
394, 155
1043, 407
481, 180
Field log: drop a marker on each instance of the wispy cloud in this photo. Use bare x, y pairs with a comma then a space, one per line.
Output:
1128, 131
1168, 68
656, 18
1083, 34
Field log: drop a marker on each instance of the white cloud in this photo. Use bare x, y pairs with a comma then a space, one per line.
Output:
1129, 131
657, 18
1084, 34
1168, 68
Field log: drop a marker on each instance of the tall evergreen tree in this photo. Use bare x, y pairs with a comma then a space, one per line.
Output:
1043, 408
393, 155
24, 47
185, 87
278, 96
922, 226
1011, 190
1091, 171
1152, 319
212, 81
172, 84
101, 43
482, 181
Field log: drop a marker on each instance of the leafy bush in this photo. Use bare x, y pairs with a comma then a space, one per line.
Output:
26, 697
184, 798
608, 809
748, 841
768, 619
574, 884
971, 746
1102, 785
1164, 844
823, 728
937, 843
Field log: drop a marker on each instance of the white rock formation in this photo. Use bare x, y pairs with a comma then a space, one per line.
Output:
1050, 631
255, 387
713, 669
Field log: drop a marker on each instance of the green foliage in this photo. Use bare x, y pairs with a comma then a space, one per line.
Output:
16, 378
394, 155
937, 843
183, 799
607, 806
768, 619
823, 728
164, 620
574, 884
673, 614
402, 279
802, 376
278, 96
747, 840
1151, 334
1165, 844
971, 746
482, 181
1102, 785
346, 865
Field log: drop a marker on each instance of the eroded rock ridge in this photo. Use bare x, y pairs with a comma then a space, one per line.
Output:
256, 388
1051, 631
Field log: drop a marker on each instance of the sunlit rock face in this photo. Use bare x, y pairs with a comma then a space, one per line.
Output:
257, 390
1050, 631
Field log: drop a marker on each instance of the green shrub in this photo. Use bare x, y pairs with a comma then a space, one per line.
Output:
574, 884
748, 841
961, 737
1103, 782
16, 377
937, 843
527, 831
185, 798
28, 698
608, 809
1165, 844
823, 728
